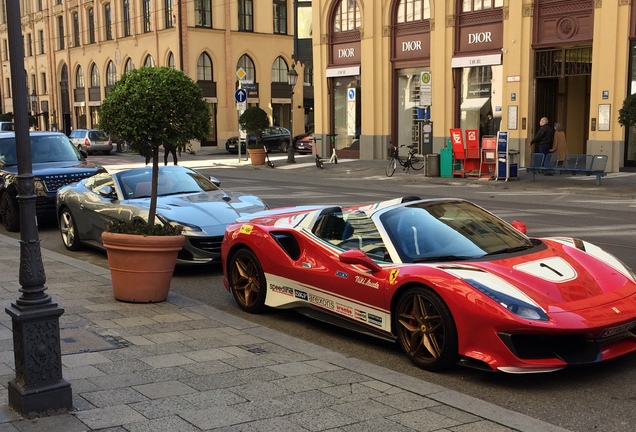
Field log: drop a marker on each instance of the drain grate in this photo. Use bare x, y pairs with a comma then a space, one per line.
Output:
79, 340
254, 349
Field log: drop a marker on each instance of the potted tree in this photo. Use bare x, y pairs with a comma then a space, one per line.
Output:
149, 108
253, 121
627, 114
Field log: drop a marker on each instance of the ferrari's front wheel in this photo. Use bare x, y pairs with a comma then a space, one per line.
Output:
426, 330
68, 231
247, 281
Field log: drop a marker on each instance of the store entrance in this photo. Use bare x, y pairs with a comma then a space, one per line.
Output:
562, 95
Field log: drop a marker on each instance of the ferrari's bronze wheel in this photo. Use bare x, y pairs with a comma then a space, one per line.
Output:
247, 281
425, 329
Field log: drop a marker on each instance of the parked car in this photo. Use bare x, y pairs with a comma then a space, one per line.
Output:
6, 126
446, 279
185, 198
91, 140
303, 143
55, 163
275, 138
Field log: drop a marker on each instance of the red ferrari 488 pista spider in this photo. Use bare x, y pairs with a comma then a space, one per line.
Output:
446, 279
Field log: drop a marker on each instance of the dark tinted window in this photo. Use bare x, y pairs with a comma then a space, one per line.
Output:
44, 148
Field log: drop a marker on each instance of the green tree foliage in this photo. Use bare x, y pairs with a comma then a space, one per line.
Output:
153, 107
627, 114
253, 121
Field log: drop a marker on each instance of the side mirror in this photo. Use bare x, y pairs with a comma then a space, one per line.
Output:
356, 256
84, 153
215, 180
106, 191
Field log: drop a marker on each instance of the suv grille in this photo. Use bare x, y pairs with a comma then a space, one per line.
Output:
55, 181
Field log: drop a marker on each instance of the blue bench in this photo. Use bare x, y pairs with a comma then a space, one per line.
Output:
542, 164
585, 164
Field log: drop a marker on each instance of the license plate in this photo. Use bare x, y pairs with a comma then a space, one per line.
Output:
612, 331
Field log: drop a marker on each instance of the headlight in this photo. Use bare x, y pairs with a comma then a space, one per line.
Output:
186, 227
517, 306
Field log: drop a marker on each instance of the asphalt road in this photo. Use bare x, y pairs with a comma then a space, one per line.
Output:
595, 398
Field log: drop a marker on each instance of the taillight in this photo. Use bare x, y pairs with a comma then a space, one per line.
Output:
87, 142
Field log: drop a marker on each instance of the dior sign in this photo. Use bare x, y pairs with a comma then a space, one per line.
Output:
412, 46
346, 52
483, 37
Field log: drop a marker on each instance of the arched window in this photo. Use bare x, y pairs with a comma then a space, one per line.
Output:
279, 70
247, 64
129, 66
347, 16
171, 64
204, 68
94, 76
149, 61
111, 74
79, 78
413, 10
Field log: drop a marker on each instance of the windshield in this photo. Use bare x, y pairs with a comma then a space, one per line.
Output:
449, 230
136, 183
44, 148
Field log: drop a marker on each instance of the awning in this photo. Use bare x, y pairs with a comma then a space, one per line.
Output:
474, 104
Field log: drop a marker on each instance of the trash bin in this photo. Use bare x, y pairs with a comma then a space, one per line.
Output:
432, 165
446, 160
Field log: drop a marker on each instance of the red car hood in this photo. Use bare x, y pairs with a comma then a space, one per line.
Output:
560, 278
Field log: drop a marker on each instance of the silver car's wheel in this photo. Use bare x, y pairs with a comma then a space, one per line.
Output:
68, 231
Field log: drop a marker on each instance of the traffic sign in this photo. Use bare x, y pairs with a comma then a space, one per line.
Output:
240, 95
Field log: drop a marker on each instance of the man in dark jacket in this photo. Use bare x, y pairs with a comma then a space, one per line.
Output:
543, 137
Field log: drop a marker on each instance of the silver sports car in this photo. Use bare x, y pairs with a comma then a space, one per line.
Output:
184, 197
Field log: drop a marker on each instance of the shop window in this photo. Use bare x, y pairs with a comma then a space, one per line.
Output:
477, 5
413, 10
149, 61
347, 17
79, 78
247, 64
129, 66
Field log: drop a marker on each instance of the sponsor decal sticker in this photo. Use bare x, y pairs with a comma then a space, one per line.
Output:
321, 301
282, 290
375, 320
300, 294
361, 315
344, 310
367, 282
393, 276
342, 274
246, 229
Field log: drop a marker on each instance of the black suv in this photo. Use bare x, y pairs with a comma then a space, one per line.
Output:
55, 163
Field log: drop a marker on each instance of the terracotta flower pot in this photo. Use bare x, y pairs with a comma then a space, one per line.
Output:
257, 156
141, 266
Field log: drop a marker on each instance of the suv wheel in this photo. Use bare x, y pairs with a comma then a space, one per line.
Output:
9, 213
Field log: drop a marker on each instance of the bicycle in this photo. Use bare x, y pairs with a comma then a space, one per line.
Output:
411, 161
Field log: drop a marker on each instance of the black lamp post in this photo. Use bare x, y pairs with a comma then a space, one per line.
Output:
292, 77
38, 387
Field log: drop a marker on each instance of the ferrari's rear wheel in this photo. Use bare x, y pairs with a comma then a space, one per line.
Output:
68, 231
9, 213
247, 281
426, 330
